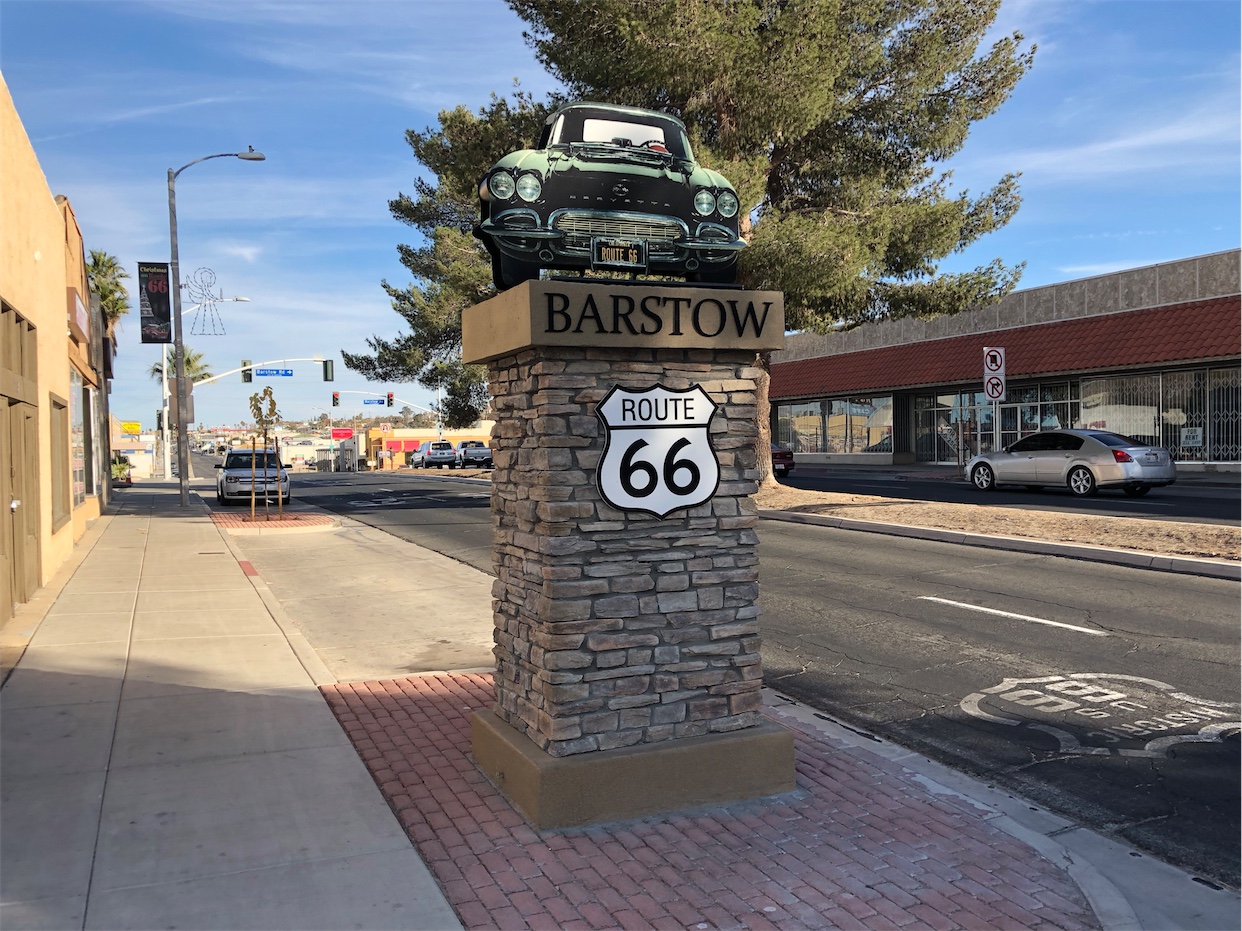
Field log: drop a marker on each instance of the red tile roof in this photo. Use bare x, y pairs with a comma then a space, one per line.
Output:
1193, 332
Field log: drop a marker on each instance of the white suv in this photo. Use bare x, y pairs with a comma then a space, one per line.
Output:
437, 453
233, 481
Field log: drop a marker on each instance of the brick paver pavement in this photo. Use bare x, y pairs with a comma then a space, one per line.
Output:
289, 520
859, 844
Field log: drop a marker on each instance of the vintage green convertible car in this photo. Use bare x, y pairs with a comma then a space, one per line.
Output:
611, 188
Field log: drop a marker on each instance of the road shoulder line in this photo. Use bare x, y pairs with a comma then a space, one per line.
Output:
1187, 565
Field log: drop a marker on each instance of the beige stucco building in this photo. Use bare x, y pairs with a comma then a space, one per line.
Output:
55, 362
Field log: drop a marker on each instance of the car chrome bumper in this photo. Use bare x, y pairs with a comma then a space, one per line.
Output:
669, 240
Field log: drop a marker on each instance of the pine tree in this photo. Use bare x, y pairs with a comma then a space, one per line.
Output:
830, 119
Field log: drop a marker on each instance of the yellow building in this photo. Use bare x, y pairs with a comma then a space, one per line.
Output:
390, 449
54, 366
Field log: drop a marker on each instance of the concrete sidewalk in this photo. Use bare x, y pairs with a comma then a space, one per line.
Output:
168, 760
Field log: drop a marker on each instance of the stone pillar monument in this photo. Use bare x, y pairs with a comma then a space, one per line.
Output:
623, 525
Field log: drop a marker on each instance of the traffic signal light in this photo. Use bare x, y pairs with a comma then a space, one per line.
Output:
159, 420
327, 370
336, 399
247, 374
390, 399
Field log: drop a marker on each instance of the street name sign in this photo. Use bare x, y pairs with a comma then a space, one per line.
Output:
273, 372
372, 400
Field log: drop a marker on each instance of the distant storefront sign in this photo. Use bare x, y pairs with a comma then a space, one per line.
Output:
153, 300
342, 433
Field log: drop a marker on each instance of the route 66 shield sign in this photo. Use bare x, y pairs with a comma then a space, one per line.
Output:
658, 457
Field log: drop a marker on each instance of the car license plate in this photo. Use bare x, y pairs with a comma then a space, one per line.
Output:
618, 253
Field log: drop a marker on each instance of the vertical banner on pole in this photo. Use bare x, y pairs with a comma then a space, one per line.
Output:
153, 301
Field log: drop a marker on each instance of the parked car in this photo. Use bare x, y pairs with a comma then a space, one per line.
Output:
608, 187
473, 454
435, 453
1081, 460
236, 474
782, 460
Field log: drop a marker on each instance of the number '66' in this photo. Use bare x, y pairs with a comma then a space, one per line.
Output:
631, 468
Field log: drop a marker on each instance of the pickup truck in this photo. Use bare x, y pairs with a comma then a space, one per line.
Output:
473, 454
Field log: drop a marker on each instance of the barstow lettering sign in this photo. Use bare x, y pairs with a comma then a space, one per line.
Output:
639, 314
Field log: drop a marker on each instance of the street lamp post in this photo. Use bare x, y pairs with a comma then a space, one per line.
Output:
164, 381
183, 444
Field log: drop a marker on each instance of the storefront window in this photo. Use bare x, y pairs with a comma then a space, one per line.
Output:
1225, 417
844, 425
801, 427
1125, 404
77, 437
1184, 414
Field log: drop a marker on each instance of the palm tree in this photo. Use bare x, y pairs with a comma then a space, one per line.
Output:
105, 274
196, 369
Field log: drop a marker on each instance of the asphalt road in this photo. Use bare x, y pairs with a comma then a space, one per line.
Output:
1209, 504
924, 644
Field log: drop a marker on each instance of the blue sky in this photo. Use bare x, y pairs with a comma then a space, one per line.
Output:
1126, 131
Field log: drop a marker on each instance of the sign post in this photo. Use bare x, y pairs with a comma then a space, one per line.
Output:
994, 386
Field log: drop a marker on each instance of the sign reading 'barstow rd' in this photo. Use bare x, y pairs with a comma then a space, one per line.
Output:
657, 455
636, 314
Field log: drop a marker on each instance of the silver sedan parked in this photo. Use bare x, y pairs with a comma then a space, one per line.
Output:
1082, 460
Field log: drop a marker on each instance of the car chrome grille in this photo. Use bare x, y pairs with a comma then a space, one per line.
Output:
652, 230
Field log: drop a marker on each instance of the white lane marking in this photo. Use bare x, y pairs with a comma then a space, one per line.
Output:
1016, 617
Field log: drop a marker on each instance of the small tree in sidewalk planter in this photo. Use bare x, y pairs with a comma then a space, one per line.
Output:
121, 467
266, 416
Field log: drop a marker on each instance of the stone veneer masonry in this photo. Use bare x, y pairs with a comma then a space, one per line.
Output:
614, 629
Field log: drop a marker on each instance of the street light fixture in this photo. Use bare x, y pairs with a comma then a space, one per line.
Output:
183, 444
164, 380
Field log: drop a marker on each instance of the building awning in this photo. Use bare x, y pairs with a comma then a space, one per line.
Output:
1195, 332
401, 446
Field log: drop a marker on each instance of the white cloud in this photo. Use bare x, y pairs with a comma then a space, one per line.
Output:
248, 254
1204, 140
1103, 268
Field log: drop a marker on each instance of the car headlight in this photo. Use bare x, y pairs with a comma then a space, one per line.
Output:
501, 185
704, 202
529, 188
726, 203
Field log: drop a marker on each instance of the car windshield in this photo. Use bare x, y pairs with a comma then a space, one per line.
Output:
448, 446
608, 129
261, 461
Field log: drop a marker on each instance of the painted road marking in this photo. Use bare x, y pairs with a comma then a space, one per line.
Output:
1016, 617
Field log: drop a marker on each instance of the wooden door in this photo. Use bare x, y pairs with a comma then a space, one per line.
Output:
8, 536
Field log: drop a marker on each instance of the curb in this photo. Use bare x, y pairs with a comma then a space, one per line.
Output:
1006, 813
1187, 565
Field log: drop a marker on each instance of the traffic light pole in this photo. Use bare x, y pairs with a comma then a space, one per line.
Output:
253, 365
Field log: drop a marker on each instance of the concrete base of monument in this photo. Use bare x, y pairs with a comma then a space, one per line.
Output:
632, 782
